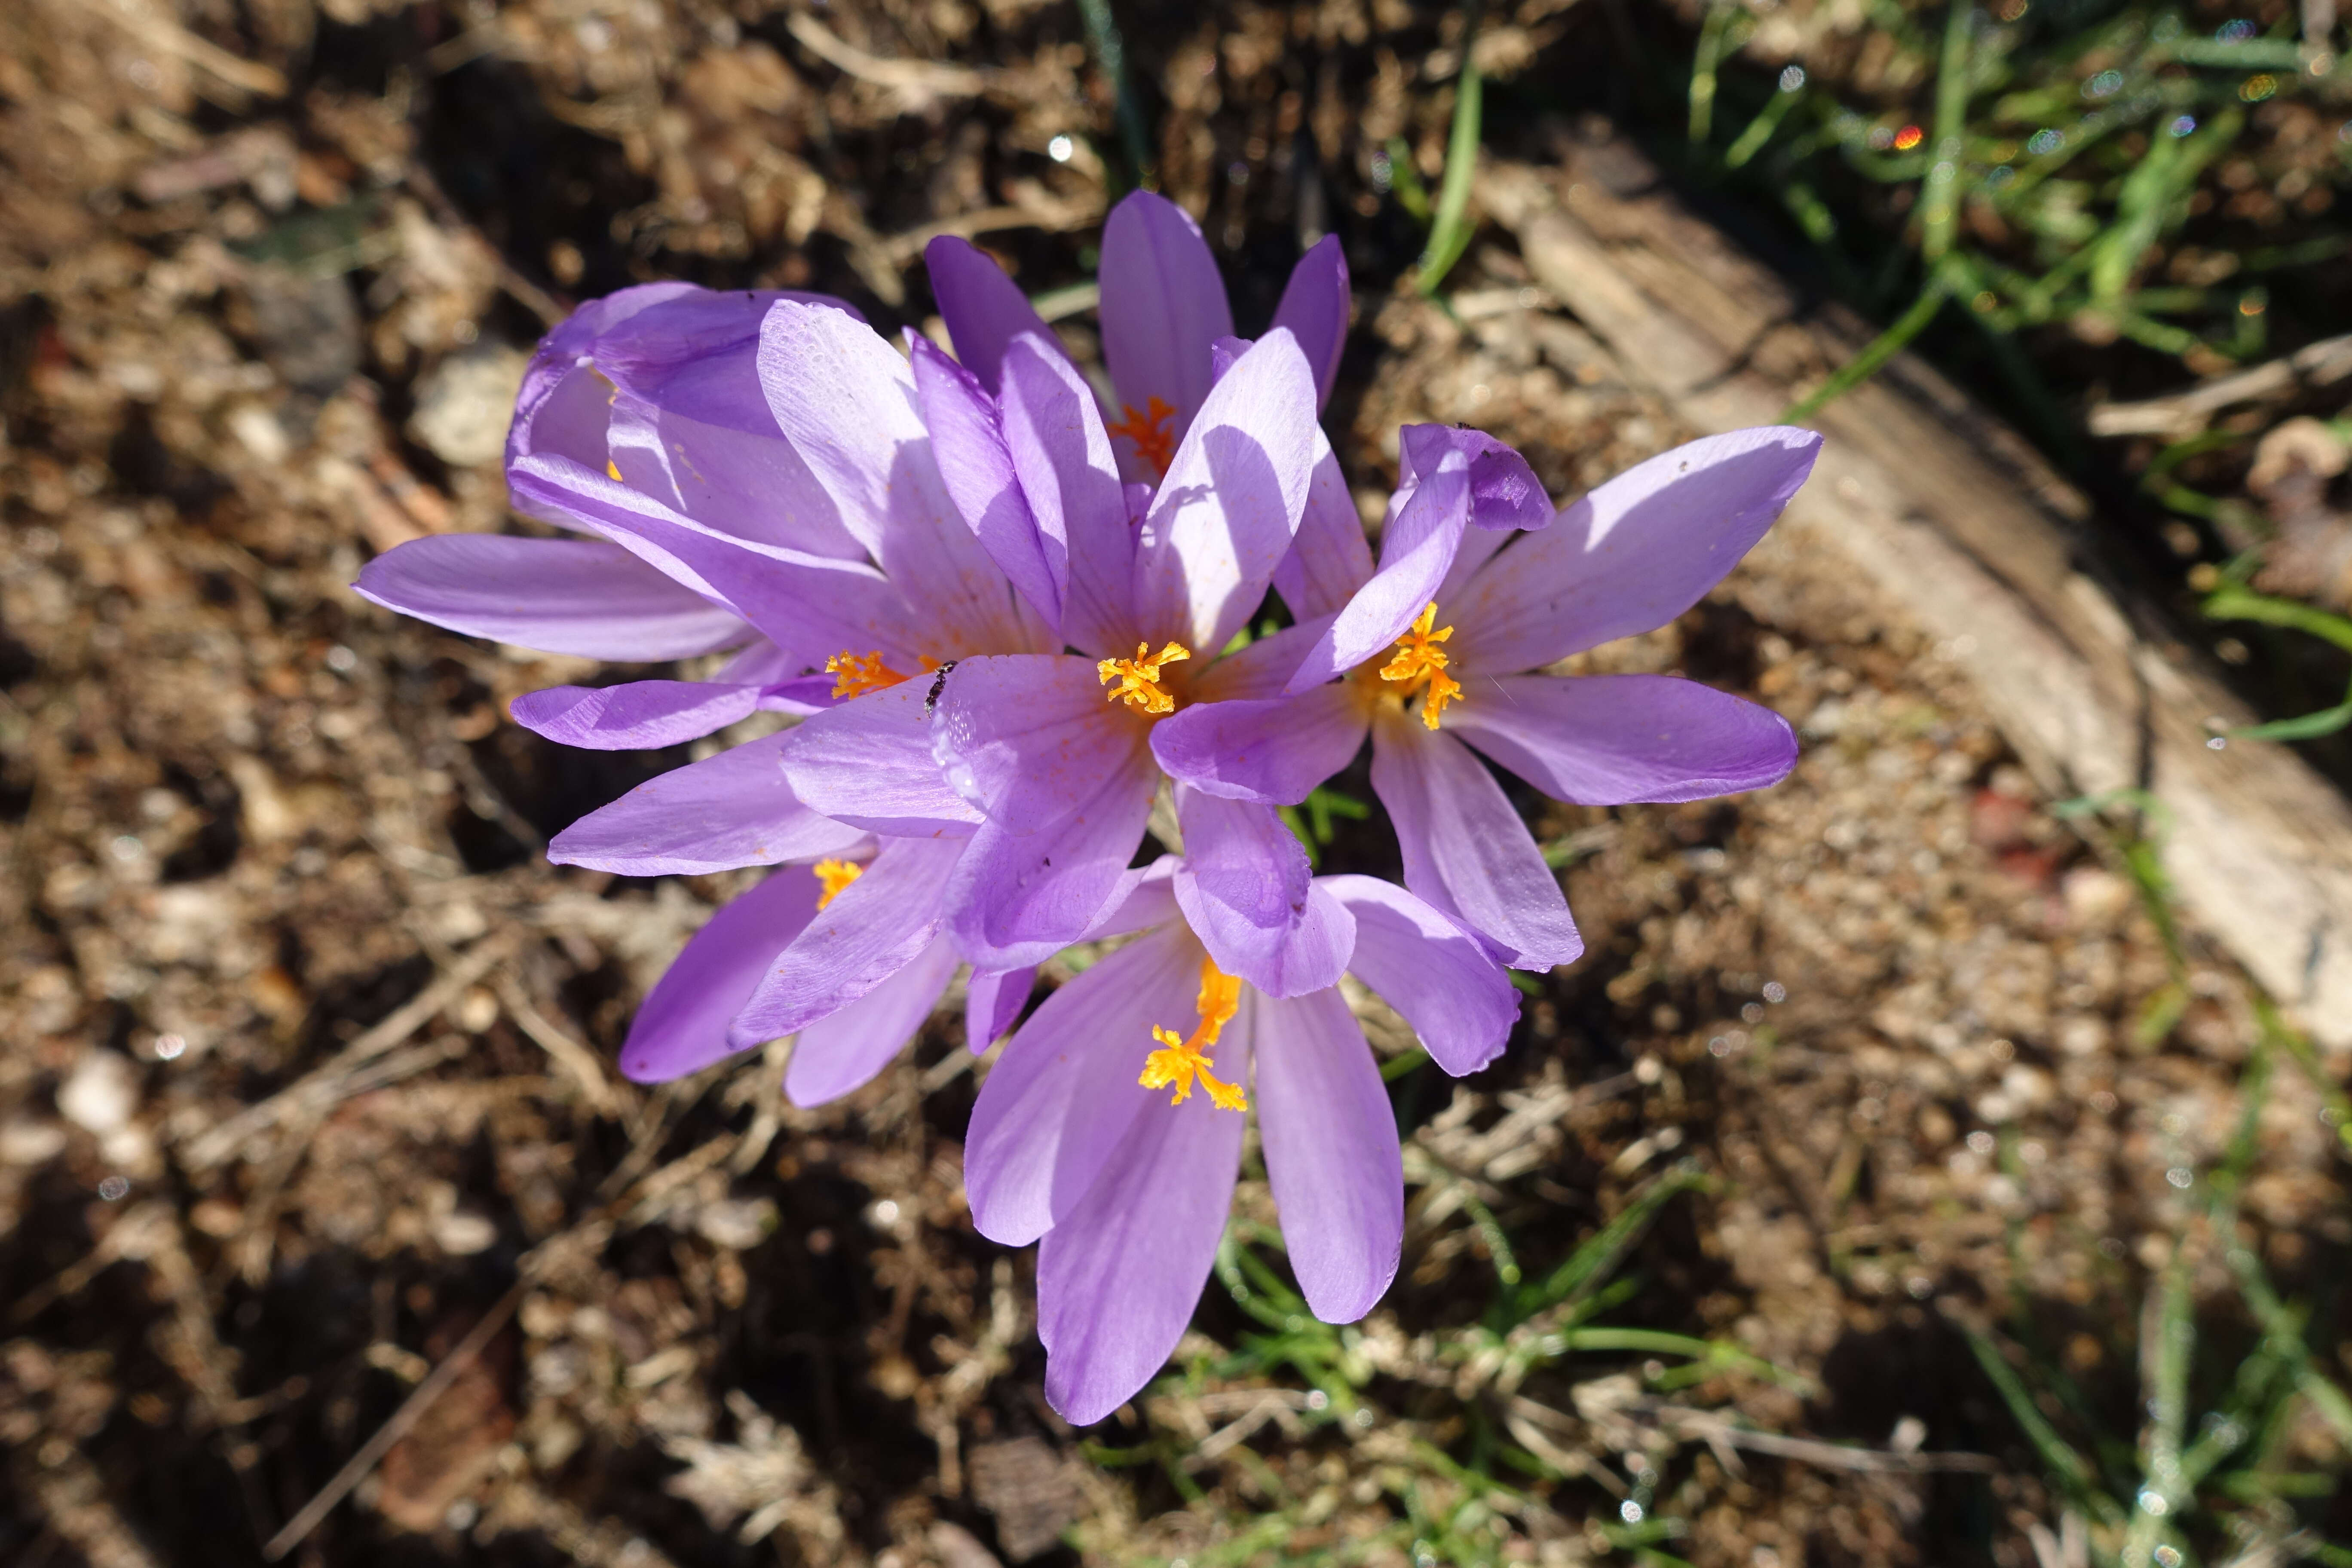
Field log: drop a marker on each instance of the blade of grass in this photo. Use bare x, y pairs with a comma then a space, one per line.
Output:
1866, 363
1940, 196
2071, 1471
1111, 53
1590, 1264
1449, 235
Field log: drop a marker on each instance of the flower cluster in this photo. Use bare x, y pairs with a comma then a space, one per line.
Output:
1011, 615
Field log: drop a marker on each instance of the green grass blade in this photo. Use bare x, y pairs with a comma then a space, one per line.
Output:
1866, 363
1449, 235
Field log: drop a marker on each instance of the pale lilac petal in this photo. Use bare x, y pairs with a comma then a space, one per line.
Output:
694, 352
868, 763
1223, 354
846, 401
1247, 892
1416, 548
1331, 1154
558, 595
681, 1025
1504, 491
1061, 1096
560, 405
733, 810
1230, 505
841, 1053
1274, 749
873, 928
1330, 558
968, 441
745, 485
993, 1001
638, 716
803, 601
1070, 474
1163, 304
1026, 737
1118, 1280
1261, 668
1020, 898
761, 663
1314, 307
1146, 898
801, 694
1434, 973
1634, 553
983, 309
1609, 740
1466, 849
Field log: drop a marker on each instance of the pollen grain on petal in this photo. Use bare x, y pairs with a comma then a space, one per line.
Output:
856, 674
836, 875
1138, 679
1153, 432
1179, 1061
1419, 657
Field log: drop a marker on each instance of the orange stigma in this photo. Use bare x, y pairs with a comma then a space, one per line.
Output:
1138, 677
1179, 1061
1418, 658
1153, 431
836, 875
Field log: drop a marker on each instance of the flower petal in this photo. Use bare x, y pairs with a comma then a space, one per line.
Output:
993, 1001
1433, 972
1028, 738
562, 405
1163, 304
1070, 474
1118, 1280
1260, 668
681, 1025
1330, 558
639, 715
1020, 898
745, 485
1466, 849
1634, 553
733, 810
841, 1053
1314, 307
1331, 1154
983, 309
558, 595
1061, 1097
1274, 749
868, 762
846, 401
968, 441
1249, 895
1234, 494
1608, 740
873, 928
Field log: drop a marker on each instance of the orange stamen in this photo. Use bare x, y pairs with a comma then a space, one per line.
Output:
1180, 1061
1153, 431
1138, 677
836, 875
1418, 658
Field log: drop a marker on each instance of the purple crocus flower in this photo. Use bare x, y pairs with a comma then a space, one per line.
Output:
1445, 643
1089, 1138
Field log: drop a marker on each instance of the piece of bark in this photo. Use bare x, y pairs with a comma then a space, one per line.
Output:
1965, 531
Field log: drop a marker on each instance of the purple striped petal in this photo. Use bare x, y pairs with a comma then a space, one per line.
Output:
733, 810
1466, 849
1271, 749
735, 482
841, 1053
561, 406
1634, 554
1314, 307
681, 1025
1608, 740
1063, 1095
868, 763
1028, 738
968, 440
558, 595
638, 716
1070, 475
1331, 559
1434, 973
993, 1001
873, 928
1234, 494
983, 309
1332, 1153
1261, 668
1020, 898
1163, 304
1504, 491
1249, 895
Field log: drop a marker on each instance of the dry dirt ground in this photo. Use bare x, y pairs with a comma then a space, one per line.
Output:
308, 1090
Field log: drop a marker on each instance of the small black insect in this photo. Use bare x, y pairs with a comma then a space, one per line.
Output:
939, 684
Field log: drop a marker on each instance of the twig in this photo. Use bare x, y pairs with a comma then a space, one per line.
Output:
1828, 1456
2184, 414
570, 1054
916, 82
249, 76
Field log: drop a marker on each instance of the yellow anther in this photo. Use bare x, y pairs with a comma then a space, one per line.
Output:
1153, 431
1180, 1061
1418, 658
613, 468
856, 674
1138, 677
836, 875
